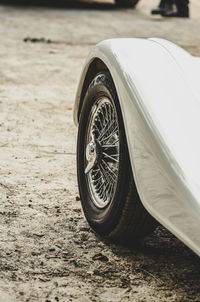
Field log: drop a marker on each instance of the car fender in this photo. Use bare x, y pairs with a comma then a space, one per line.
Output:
160, 103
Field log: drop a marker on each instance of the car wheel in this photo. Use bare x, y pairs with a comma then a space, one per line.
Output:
126, 3
108, 193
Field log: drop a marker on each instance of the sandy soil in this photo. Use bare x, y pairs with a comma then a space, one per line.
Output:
47, 251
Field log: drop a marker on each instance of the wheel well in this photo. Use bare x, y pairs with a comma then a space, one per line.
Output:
96, 66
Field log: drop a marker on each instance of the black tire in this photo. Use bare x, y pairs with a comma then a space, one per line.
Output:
126, 3
123, 218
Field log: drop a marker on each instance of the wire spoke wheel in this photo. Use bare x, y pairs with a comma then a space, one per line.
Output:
107, 189
102, 152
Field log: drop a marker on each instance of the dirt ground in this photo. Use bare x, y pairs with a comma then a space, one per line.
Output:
47, 251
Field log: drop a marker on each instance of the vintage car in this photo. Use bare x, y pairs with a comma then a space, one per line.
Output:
126, 3
138, 147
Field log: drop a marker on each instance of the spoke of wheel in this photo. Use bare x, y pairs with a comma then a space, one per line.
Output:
110, 146
105, 192
112, 178
106, 121
113, 167
95, 172
96, 180
95, 126
109, 156
103, 130
106, 146
106, 130
100, 122
116, 141
114, 132
109, 168
115, 154
110, 189
102, 118
104, 172
99, 188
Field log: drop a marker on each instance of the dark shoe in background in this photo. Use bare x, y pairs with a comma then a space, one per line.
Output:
173, 12
170, 11
159, 9
164, 7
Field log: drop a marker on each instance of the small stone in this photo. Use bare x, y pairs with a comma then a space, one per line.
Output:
35, 253
56, 284
100, 257
84, 229
77, 210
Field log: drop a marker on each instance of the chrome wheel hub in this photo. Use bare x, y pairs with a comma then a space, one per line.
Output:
91, 156
102, 152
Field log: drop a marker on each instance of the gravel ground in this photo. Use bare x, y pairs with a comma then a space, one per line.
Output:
48, 253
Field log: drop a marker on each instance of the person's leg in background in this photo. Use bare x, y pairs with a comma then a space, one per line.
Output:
164, 6
183, 8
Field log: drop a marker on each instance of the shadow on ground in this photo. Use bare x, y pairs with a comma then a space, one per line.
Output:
166, 260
